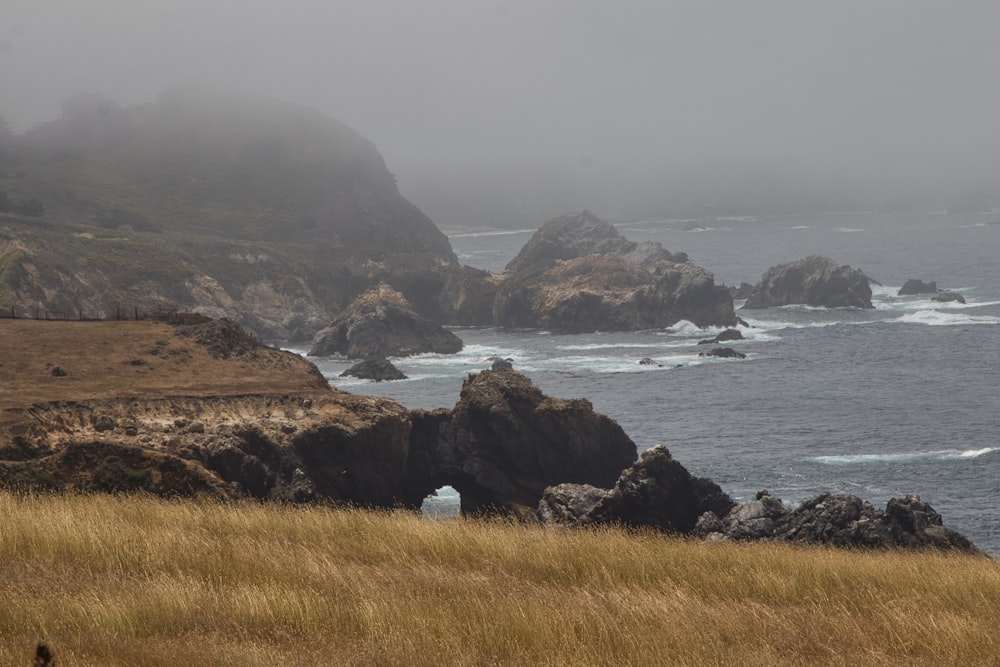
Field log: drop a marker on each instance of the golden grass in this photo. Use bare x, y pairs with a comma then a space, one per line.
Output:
131, 358
144, 581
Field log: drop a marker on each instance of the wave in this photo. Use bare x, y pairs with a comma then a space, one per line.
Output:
802, 227
652, 345
849, 230
492, 232
905, 457
940, 318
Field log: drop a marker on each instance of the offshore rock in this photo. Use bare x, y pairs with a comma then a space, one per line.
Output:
380, 370
813, 281
948, 295
381, 323
656, 492
578, 274
505, 442
576, 235
726, 335
915, 286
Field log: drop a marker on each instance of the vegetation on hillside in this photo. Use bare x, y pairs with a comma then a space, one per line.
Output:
136, 580
215, 162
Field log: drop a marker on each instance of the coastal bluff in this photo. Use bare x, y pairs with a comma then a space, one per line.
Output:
198, 408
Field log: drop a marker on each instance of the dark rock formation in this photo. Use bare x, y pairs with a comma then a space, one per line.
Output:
381, 323
646, 361
656, 492
813, 281
915, 286
948, 295
374, 369
505, 442
724, 353
743, 291
842, 520
578, 274
726, 335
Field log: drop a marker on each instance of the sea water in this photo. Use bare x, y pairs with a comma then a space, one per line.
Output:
879, 403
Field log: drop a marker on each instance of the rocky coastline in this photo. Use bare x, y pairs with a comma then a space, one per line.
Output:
505, 446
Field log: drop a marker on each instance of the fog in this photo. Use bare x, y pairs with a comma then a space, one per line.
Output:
507, 113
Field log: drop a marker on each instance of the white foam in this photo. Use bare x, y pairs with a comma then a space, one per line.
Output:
802, 227
652, 345
849, 230
905, 457
937, 318
497, 232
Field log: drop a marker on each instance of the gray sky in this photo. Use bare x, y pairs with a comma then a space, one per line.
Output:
502, 112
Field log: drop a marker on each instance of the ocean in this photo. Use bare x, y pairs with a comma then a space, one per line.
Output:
879, 403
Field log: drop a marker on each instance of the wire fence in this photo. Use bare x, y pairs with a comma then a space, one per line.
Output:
171, 315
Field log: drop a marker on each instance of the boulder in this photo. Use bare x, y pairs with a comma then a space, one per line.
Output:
813, 281
723, 353
505, 442
915, 286
374, 369
948, 295
646, 361
656, 492
381, 323
578, 274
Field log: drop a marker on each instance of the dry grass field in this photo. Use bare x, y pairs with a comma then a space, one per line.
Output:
132, 358
141, 581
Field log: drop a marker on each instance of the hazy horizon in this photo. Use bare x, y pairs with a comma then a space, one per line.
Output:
508, 114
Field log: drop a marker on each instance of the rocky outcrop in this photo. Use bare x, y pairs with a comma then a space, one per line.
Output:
656, 492
813, 281
915, 286
505, 442
842, 520
577, 274
380, 370
946, 296
381, 323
